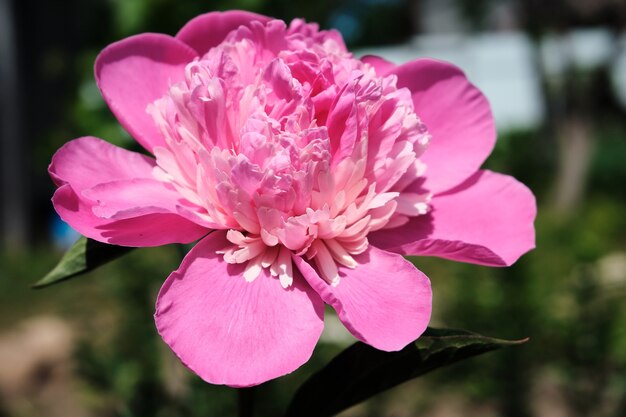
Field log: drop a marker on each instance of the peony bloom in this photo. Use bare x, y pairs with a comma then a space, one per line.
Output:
306, 174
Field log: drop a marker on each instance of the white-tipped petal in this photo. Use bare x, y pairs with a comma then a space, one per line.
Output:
253, 269
325, 263
285, 267
269, 256
340, 254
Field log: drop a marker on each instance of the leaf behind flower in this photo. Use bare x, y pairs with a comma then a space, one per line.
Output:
84, 256
361, 371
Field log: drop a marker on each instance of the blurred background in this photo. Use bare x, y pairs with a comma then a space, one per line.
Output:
555, 73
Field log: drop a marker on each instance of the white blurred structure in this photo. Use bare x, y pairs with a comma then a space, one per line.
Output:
502, 65
618, 74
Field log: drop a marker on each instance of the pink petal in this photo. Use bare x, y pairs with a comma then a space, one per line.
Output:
458, 117
146, 230
132, 198
487, 220
233, 332
136, 71
208, 30
385, 301
343, 124
88, 161
381, 65
84, 163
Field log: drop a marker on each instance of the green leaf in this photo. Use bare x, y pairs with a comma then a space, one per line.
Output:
361, 371
85, 255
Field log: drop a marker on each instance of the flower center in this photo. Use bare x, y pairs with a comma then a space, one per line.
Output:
279, 136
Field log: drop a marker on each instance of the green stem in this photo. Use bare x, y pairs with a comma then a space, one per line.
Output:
246, 401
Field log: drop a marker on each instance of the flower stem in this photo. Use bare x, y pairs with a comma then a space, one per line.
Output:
246, 402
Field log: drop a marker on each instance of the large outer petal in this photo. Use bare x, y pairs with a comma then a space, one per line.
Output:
385, 301
129, 198
146, 230
82, 164
457, 116
233, 332
487, 220
208, 30
136, 71
88, 161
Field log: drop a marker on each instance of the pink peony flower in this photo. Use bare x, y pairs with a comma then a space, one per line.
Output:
305, 172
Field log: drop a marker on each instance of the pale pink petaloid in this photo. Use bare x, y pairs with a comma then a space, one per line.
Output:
305, 173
